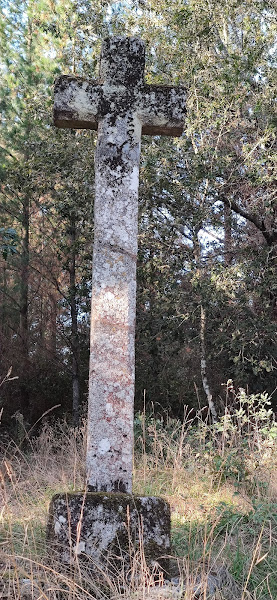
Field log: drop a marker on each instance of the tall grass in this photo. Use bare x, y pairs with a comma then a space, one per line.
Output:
220, 481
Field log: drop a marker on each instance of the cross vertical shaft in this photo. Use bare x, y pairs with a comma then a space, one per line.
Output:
112, 358
122, 107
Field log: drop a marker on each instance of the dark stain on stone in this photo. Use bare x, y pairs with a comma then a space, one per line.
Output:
123, 62
117, 486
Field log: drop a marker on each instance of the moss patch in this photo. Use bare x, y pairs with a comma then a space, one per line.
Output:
108, 527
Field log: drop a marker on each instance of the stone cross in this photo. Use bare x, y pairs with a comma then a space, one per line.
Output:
122, 107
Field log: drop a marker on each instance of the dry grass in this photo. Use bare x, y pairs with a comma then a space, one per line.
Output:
220, 481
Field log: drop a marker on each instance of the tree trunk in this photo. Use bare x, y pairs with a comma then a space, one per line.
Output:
203, 362
51, 342
74, 327
4, 307
25, 257
205, 382
227, 235
24, 286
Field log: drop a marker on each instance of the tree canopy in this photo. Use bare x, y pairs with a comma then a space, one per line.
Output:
206, 300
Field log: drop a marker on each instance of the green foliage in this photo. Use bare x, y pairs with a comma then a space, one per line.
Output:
8, 241
213, 523
207, 200
237, 443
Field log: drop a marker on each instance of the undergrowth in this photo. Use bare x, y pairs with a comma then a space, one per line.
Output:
220, 480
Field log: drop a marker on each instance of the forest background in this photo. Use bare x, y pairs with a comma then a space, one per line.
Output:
207, 288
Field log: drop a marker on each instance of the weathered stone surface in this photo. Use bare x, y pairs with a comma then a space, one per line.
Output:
122, 107
108, 528
112, 357
82, 104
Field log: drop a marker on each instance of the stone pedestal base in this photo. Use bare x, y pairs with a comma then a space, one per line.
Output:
108, 528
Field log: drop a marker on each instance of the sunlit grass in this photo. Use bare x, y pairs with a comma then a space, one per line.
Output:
220, 481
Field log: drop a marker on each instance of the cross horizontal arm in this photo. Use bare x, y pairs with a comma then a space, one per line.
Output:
77, 103
161, 110
80, 104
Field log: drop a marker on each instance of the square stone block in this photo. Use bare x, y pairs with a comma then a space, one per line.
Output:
108, 528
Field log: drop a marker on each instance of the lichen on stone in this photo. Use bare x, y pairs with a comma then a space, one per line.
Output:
102, 525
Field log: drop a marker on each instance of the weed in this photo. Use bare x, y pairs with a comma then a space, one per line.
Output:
221, 483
